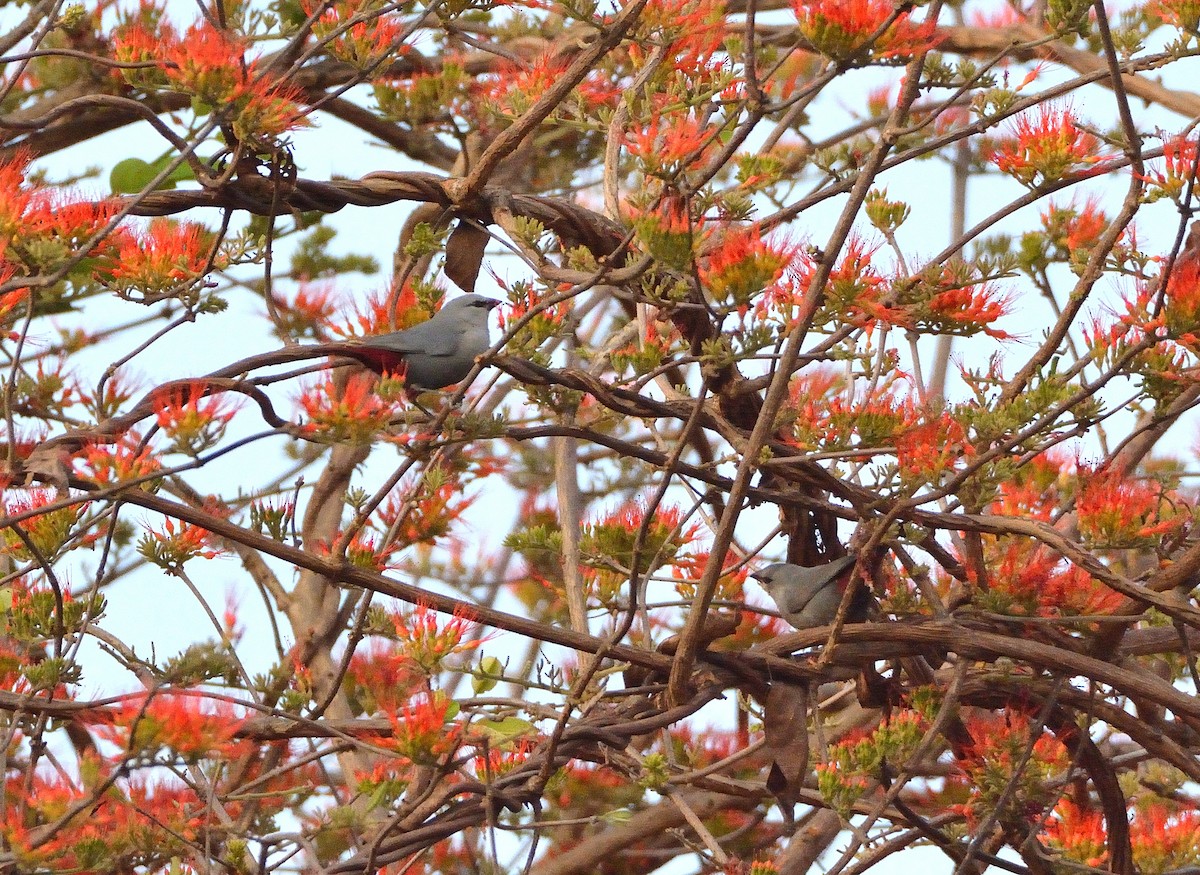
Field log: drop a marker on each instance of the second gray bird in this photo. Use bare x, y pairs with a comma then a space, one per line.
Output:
809, 597
435, 354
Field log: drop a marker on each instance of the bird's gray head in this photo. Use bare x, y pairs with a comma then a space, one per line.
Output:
770, 573
470, 304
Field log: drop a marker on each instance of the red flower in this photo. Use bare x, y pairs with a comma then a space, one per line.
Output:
210, 64
420, 730
15, 196
515, 87
127, 459
693, 29
855, 288
932, 449
176, 543
353, 33
841, 29
1182, 295
424, 513
741, 265
427, 641
1164, 840
1184, 14
1048, 145
1034, 581
185, 724
1179, 165
193, 418
1078, 832
49, 532
381, 677
354, 414
165, 257
308, 314
668, 145
1115, 512
1001, 743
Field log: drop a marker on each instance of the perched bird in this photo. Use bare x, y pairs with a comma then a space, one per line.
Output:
809, 597
435, 354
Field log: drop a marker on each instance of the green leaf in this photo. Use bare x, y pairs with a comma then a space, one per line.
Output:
491, 670
133, 174
508, 729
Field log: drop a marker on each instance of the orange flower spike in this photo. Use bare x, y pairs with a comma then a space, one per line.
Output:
974, 308
269, 110
208, 62
13, 302
840, 30
1036, 489
194, 419
118, 389
1178, 168
931, 449
49, 532
855, 286
515, 87
1047, 146
528, 299
1183, 14
504, 760
1078, 832
425, 515
15, 195
694, 30
428, 643
145, 37
177, 543
1019, 578
163, 258
364, 551
1182, 296
309, 314
373, 314
381, 677
362, 43
1120, 513
667, 146
742, 265
1163, 840
420, 730
126, 460
1001, 742
55, 230
1082, 226
1074, 592
355, 415
185, 724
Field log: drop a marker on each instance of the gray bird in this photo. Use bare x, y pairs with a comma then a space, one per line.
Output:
435, 354
809, 597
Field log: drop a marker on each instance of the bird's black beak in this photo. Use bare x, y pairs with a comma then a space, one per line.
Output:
493, 304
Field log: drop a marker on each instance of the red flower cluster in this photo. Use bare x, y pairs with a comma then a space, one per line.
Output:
843, 30
211, 65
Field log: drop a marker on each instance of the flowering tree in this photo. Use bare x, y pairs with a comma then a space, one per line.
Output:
781, 282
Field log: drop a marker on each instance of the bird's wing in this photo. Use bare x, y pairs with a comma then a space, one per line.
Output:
792, 599
425, 338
